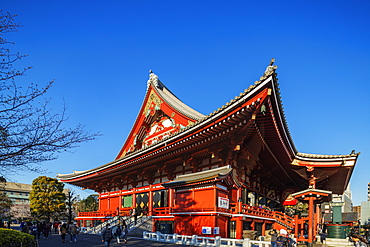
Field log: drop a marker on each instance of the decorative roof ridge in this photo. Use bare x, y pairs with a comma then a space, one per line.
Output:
269, 71
328, 156
171, 98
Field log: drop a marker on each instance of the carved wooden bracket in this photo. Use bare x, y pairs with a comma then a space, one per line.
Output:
132, 179
170, 171
149, 175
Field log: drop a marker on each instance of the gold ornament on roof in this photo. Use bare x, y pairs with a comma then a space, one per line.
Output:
269, 70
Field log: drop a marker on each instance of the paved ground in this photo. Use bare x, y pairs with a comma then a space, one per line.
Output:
87, 240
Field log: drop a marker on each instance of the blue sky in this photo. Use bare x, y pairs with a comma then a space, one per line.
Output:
206, 52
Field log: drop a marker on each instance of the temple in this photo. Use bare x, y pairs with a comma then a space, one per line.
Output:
222, 174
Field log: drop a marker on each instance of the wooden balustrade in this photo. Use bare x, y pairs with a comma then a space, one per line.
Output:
284, 219
164, 211
97, 214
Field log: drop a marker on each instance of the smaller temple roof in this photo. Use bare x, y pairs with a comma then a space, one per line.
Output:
319, 195
186, 179
325, 156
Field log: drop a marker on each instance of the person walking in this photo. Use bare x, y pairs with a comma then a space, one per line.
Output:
125, 231
73, 232
25, 228
274, 235
118, 234
55, 226
134, 215
106, 235
39, 230
46, 229
281, 241
63, 232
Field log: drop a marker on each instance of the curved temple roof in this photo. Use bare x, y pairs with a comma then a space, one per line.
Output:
267, 85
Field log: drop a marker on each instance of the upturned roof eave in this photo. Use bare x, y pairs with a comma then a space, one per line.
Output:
176, 103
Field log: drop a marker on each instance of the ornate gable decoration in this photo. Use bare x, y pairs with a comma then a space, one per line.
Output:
162, 114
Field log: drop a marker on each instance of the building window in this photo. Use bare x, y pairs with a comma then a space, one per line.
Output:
232, 229
160, 198
127, 201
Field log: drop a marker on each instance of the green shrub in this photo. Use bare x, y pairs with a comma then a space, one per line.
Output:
9, 238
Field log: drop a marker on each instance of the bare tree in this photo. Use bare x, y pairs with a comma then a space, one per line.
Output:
71, 199
30, 132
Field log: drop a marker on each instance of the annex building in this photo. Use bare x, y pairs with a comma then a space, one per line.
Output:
18, 193
218, 174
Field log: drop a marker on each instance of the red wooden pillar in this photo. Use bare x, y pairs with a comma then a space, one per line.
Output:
239, 228
253, 226
150, 207
263, 228
296, 226
239, 206
133, 198
171, 198
317, 218
310, 220
120, 201
215, 197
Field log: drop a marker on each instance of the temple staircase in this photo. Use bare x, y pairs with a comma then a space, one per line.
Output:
141, 225
283, 220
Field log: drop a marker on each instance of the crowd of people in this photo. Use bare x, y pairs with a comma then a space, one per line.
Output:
44, 229
119, 233
283, 238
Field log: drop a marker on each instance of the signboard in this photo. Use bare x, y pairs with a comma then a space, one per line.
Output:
223, 202
216, 230
206, 230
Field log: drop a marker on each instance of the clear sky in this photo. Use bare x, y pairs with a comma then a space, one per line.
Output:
205, 52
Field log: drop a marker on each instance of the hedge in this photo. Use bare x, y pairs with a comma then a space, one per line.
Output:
13, 238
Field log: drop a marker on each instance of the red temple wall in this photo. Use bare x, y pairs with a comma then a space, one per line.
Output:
204, 198
222, 223
233, 196
192, 225
201, 198
103, 204
114, 203
184, 200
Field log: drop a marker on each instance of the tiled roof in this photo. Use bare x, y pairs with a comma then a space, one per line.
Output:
323, 156
200, 176
269, 75
173, 101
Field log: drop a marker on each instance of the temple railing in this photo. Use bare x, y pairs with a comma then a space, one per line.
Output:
195, 240
101, 214
251, 210
193, 209
167, 211
163, 211
281, 218
284, 219
257, 211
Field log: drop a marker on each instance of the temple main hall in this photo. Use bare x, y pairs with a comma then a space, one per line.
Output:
220, 174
